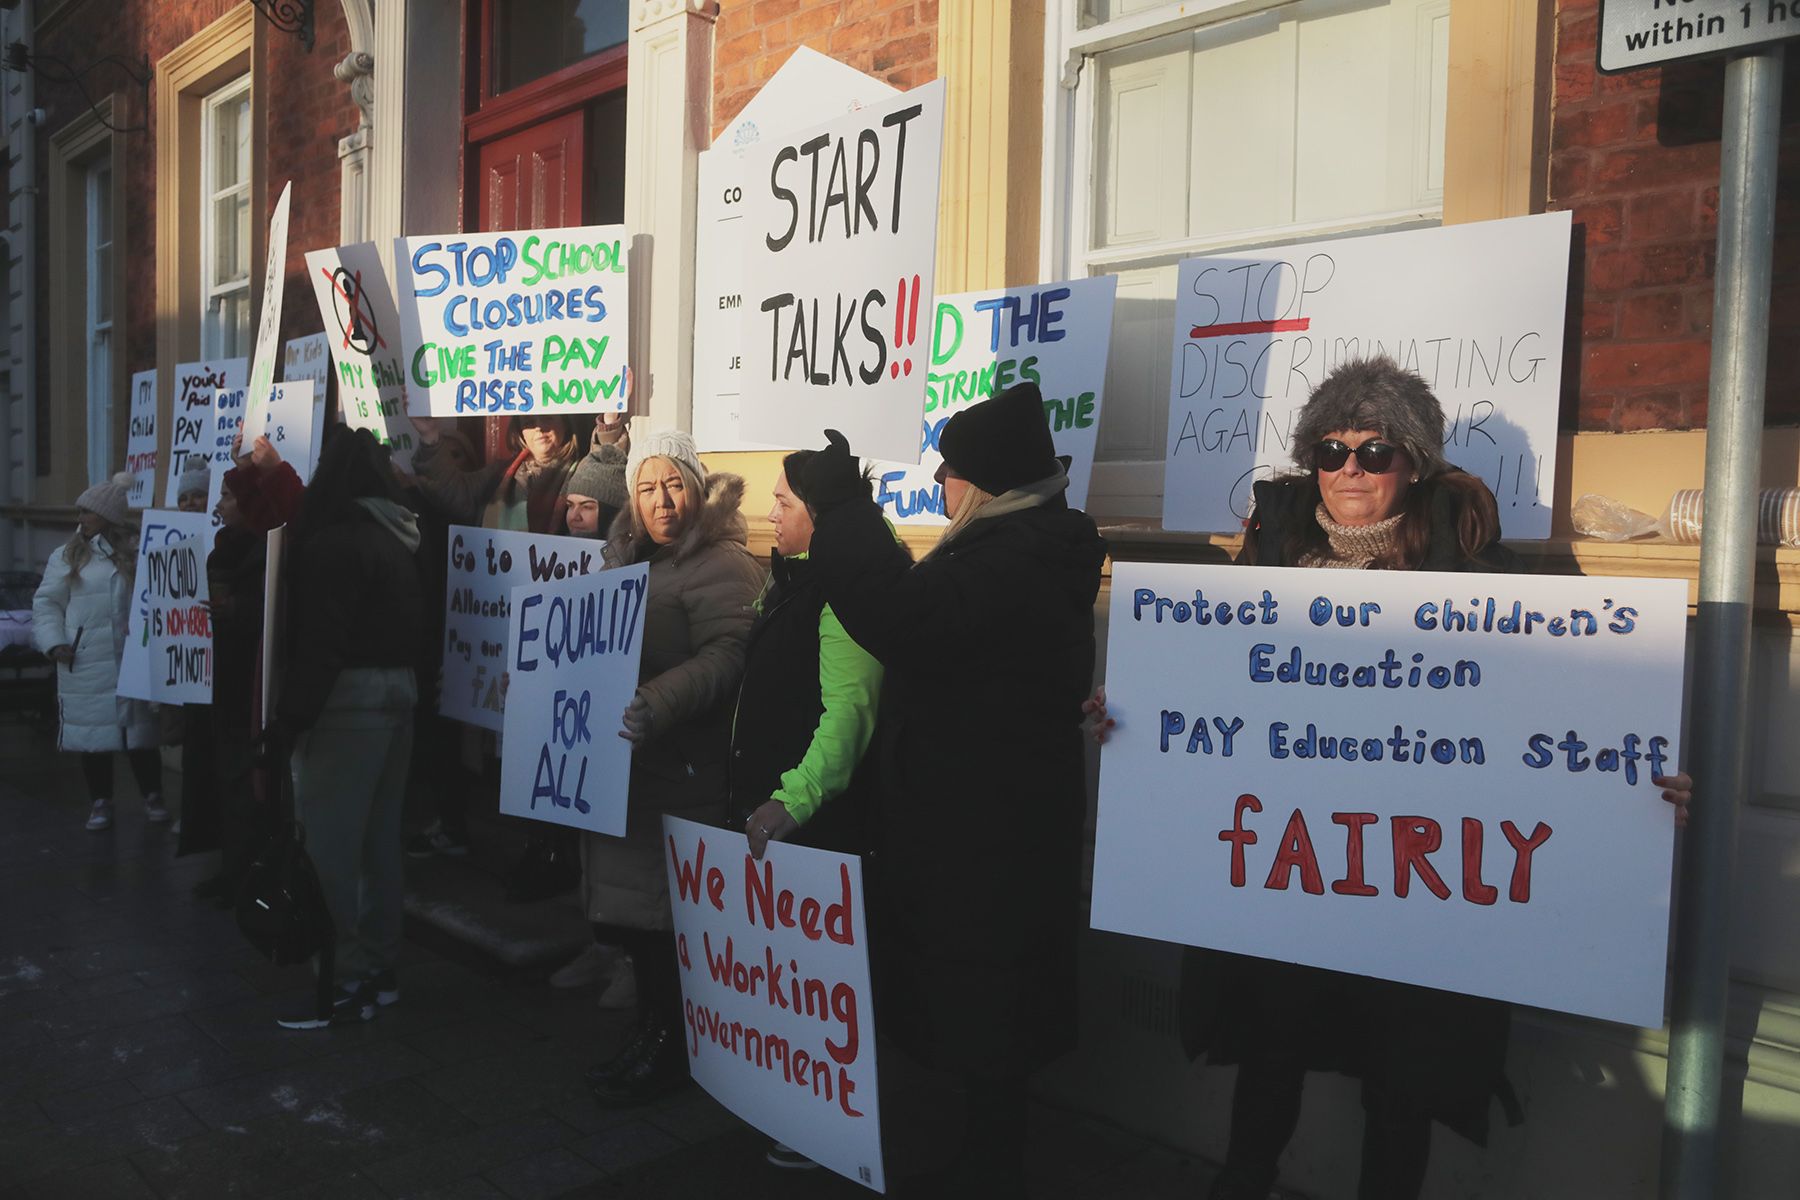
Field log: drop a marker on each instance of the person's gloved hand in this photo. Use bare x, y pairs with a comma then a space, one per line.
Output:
833, 476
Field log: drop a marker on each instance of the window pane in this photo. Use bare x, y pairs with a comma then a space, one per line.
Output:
100, 197
225, 331
1097, 12
231, 239
231, 143
101, 284
533, 38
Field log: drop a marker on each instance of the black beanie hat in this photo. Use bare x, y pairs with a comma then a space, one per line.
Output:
1002, 443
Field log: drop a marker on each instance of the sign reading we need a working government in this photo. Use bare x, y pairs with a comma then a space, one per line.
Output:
1441, 779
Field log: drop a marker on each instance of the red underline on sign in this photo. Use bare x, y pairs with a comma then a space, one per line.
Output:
1213, 331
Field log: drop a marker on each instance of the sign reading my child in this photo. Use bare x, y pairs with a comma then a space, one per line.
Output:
180, 647
363, 332
1441, 779
138, 675
196, 386
140, 443
515, 322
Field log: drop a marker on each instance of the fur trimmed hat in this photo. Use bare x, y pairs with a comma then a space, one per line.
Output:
108, 500
671, 444
1002, 443
1375, 394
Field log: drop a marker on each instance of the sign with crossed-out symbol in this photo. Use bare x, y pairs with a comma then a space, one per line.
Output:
354, 311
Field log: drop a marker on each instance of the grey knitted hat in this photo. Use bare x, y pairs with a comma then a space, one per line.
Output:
194, 478
672, 444
108, 500
1377, 394
596, 477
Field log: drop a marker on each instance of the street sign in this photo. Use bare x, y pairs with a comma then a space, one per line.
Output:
1643, 33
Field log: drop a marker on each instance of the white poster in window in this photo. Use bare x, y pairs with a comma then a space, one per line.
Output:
160, 528
1055, 335
532, 321
1442, 779
196, 385
140, 441
265, 353
362, 332
838, 295
1475, 309
291, 423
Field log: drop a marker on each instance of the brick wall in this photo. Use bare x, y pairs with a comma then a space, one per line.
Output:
1635, 157
893, 40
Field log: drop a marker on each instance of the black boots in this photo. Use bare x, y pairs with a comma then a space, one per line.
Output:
652, 1065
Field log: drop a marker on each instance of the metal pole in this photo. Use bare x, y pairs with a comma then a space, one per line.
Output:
1691, 1147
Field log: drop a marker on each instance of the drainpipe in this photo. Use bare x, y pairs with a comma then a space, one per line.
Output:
22, 122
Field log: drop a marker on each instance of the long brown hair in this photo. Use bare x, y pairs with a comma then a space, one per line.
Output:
121, 538
1477, 522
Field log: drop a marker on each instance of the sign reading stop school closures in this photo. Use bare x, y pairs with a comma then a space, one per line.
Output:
1055, 335
535, 321
140, 441
137, 676
572, 661
180, 623
362, 331
196, 386
485, 566
1476, 309
841, 238
775, 1000
1442, 779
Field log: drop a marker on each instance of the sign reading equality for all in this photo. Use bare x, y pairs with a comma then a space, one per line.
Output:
838, 294
1055, 335
1642, 33
534, 321
140, 442
362, 331
1441, 779
197, 384
774, 964
485, 566
1475, 309
573, 651
160, 529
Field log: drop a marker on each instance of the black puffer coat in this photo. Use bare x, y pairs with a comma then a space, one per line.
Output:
977, 788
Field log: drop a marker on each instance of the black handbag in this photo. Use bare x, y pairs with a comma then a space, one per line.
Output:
281, 908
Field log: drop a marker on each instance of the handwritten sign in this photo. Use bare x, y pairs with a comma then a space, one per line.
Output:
180, 623
485, 566
362, 332
1441, 779
140, 441
265, 352
1476, 309
161, 528
290, 422
196, 386
515, 322
775, 991
227, 421
1055, 334
572, 666
841, 242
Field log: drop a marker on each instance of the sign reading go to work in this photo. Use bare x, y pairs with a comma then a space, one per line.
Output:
515, 322
1641, 33
573, 666
485, 566
140, 442
1475, 309
775, 991
138, 674
362, 331
841, 239
1441, 779
196, 386
1055, 335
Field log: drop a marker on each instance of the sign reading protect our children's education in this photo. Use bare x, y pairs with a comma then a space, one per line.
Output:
1441, 779
160, 529
572, 652
291, 423
1055, 335
180, 644
838, 295
1475, 309
265, 354
196, 386
362, 331
140, 442
774, 964
532, 321
485, 566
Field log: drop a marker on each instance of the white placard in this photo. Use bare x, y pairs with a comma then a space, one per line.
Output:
573, 654
531, 321
1055, 335
485, 566
196, 386
227, 422
160, 527
774, 963
1642, 33
840, 241
291, 423
1476, 309
140, 441
307, 358
265, 354
362, 331
1451, 790
809, 85
180, 649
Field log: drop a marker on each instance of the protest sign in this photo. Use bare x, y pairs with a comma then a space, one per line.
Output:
840, 244
573, 650
309, 358
265, 352
274, 629
1055, 335
362, 331
534, 321
1476, 309
196, 386
808, 86
140, 441
180, 622
160, 528
290, 422
774, 964
227, 422
1442, 779
485, 566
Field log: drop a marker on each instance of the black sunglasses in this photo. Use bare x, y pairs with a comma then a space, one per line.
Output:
1377, 458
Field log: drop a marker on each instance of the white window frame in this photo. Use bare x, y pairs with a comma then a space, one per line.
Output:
211, 346
97, 185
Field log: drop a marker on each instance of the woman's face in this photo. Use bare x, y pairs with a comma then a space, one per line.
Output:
663, 501
1353, 496
544, 438
191, 502
793, 523
955, 488
91, 523
227, 510
582, 514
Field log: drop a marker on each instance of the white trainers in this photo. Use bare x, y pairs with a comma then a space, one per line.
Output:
154, 812
590, 966
621, 991
99, 817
